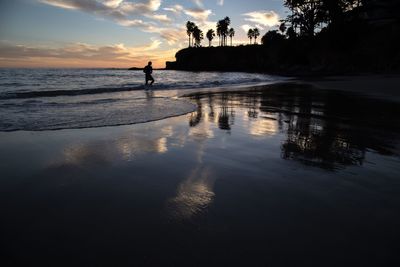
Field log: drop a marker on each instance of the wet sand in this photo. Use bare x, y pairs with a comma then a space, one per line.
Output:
375, 86
278, 176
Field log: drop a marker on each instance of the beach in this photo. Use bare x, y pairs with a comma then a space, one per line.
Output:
286, 174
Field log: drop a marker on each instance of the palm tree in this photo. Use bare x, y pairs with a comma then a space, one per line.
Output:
198, 36
222, 30
189, 29
219, 31
227, 22
210, 36
250, 34
256, 33
231, 33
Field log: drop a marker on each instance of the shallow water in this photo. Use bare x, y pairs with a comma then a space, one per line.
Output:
284, 176
29, 83
48, 99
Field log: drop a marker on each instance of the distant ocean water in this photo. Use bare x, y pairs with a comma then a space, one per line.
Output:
47, 99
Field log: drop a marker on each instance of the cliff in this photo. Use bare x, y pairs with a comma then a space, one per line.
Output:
354, 48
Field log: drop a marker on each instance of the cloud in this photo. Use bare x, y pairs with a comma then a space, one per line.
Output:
220, 2
62, 4
113, 3
88, 6
114, 8
171, 35
161, 18
264, 18
126, 14
80, 54
199, 3
135, 23
259, 27
198, 13
176, 9
246, 27
140, 7
76, 50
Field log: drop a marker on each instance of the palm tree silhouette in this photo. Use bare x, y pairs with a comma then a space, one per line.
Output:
189, 29
227, 22
210, 36
219, 32
222, 30
256, 33
197, 36
250, 34
231, 33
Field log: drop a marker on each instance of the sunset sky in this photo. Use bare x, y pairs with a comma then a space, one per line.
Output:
117, 33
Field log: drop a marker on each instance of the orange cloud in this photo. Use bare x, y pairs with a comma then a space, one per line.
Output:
84, 55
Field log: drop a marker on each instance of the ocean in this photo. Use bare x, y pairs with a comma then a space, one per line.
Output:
49, 99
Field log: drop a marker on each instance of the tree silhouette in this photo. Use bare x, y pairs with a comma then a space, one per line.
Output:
219, 32
222, 30
256, 33
210, 36
306, 14
231, 33
282, 28
250, 34
227, 22
272, 37
189, 30
197, 36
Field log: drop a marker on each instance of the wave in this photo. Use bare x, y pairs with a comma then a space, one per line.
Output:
123, 88
54, 93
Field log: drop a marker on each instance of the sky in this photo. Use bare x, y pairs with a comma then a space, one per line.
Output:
118, 33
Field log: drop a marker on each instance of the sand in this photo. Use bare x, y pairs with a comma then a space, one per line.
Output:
378, 86
280, 176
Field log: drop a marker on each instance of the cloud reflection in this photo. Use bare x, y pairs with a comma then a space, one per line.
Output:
125, 147
194, 195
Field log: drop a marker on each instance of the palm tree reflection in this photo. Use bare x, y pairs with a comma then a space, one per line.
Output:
196, 116
225, 117
325, 129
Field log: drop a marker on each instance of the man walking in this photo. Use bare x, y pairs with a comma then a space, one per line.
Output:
148, 70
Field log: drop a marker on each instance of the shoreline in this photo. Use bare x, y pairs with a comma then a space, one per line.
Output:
382, 87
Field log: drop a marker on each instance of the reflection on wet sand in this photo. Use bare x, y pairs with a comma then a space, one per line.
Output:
323, 128
194, 195
311, 127
125, 148
248, 172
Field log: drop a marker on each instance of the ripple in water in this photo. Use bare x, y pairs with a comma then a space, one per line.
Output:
38, 116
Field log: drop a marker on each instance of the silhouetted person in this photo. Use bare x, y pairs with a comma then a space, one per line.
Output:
149, 70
